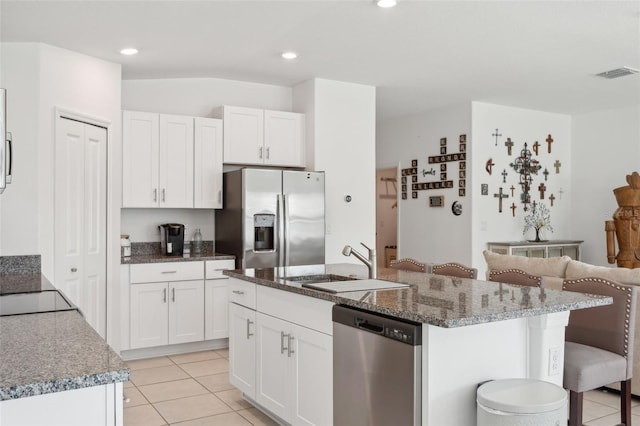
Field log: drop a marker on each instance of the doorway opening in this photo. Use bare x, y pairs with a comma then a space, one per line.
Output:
386, 215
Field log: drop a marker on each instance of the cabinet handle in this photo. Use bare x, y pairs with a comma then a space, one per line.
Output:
155, 195
268, 149
163, 194
219, 196
249, 333
173, 294
260, 153
282, 336
74, 269
168, 272
238, 292
164, 295
290, 346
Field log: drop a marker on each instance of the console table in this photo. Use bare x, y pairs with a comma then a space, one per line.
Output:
550, 248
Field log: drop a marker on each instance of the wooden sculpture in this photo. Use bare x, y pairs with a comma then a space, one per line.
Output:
625, 225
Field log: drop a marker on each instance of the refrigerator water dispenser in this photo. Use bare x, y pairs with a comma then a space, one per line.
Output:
263, 225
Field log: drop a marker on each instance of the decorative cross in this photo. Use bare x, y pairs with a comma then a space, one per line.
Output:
542, 187
508, 144
512, 189
549, 141
561, 192
489, 165
513, 209
535, 147
525, 166
496, 134
500, 291
533, 205
545, 173
500, 196
551, 198
504, 176
557, 165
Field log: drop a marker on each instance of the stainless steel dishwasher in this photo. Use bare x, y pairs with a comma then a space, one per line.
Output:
377, 369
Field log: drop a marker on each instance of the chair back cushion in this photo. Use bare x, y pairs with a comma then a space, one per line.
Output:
577, 270
408, 265
609, 327
551, 267
455, 270
515, 276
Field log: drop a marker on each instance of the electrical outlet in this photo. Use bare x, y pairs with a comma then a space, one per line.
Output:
554, 361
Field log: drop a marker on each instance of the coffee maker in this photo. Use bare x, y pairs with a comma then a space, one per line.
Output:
172, 239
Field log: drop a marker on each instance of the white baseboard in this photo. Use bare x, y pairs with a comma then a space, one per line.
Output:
132, 354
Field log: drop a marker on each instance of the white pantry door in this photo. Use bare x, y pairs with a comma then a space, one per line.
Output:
80, 215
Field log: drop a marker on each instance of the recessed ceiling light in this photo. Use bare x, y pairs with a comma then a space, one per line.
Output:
386, 3
129, 51
289, 55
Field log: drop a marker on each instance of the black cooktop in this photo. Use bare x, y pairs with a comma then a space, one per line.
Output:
34, 303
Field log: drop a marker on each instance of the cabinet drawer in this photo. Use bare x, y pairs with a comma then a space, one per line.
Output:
162, 272
213, 268
302, 310
242, 292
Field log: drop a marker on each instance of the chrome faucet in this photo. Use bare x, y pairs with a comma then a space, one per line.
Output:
370, 262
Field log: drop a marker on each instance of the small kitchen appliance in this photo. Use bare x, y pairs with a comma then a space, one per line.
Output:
172, 239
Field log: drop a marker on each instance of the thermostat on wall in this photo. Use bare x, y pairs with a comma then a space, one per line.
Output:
436, 201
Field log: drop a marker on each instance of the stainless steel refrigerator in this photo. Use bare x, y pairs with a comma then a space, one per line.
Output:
272, 218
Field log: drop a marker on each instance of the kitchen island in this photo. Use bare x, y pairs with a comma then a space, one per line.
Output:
472, 331
54, 368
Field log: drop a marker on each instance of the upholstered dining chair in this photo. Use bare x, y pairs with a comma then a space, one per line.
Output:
408, 265
515, 276
599, 345
454, 269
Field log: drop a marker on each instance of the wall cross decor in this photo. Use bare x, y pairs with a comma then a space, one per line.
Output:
513, 209
508, 144
504, 176
500, 196
545, 173
549, 141
496, 134
489, 166
513, 188
525, 166
542, 187
551, 198
557, 165
535, 147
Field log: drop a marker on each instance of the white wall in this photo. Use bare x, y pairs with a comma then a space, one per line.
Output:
606, 148
521, 125
430, 234
342, 119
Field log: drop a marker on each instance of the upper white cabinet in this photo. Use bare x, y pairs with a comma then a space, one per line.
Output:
171, 161
263, 137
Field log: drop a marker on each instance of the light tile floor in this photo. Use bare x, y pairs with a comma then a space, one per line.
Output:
188, 390
193, 390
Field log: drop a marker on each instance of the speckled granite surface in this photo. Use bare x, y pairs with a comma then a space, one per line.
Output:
431, 299
24, 283
54, 352
20, 264
159, 258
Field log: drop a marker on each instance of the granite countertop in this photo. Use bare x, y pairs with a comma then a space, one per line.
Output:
160, 258
431, 299
51, 352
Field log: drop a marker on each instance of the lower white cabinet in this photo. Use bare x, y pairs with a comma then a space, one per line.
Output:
242, 349
216, 300
166, 313
294, 371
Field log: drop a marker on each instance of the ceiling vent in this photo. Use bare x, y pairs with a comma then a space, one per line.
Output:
618, 72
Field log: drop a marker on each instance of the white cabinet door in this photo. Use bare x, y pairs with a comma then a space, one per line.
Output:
149, 315
216, 308
140, 149
243, 135
242, 349
207, 172
312, 377
186, 311
284, 139
176, 161
273, 382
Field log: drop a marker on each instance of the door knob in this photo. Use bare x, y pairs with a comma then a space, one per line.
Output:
74, 269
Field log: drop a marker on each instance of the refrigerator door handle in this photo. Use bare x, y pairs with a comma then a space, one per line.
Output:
285, 230
280, 230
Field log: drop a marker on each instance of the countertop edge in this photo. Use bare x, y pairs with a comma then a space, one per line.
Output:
60, 385
135, 260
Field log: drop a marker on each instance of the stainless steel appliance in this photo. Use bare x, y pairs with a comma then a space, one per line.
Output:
172, 239
377, 369
6, 151
272, 218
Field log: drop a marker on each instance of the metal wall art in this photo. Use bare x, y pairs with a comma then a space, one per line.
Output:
525, 166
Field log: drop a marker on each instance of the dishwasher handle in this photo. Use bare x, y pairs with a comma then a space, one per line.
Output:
368, 325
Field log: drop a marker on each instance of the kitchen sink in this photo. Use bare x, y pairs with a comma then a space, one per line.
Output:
319, 278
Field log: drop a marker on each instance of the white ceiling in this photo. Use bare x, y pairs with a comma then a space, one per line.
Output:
420, 54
